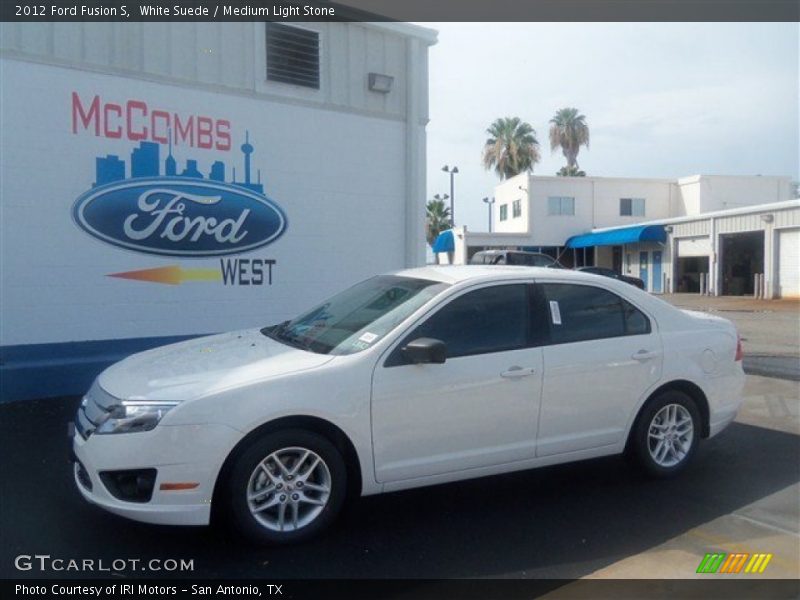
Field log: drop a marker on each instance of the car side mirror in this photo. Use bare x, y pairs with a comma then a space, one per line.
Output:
426, 350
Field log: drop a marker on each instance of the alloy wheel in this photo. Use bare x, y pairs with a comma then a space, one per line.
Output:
670, 435
289, 489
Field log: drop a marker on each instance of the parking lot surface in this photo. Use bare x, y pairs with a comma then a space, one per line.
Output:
770, 329
596, 518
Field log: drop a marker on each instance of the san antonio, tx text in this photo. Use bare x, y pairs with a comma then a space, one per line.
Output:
132, 589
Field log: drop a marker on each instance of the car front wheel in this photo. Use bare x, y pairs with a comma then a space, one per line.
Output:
287, 487
667, 434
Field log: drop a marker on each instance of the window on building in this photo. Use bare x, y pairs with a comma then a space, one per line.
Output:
631, 207
516, 208
561, 205
292, 55
504, 212
491, 319
583, 312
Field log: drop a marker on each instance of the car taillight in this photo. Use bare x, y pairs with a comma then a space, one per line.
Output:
739, 351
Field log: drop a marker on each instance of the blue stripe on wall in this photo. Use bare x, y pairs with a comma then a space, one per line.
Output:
65, 369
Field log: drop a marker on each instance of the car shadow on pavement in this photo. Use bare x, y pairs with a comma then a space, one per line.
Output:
557, 522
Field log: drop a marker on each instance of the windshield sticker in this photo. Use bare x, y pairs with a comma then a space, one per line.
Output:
368, 337
555, 312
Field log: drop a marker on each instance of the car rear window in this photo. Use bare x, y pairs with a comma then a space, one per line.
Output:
583, 312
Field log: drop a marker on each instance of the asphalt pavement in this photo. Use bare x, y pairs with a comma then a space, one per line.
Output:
566, 521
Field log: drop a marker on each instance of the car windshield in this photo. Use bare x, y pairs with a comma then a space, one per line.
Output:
358, 317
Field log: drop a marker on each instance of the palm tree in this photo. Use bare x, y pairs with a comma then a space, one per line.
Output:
438, 219
512, 147
571, 172
569, 131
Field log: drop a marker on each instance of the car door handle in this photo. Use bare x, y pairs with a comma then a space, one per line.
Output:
516, 373
643, 355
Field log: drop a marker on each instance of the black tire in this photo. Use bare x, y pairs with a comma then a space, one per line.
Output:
640, 442
238, 484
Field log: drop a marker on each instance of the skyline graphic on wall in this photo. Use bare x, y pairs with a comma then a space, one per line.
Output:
145, 162
154, 205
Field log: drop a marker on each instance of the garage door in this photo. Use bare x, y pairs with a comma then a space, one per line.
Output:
694, 246
789, 263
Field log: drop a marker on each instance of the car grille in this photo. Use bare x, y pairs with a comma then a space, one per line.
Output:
94, 410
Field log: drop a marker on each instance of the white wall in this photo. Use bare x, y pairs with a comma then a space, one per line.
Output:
553, 230
341, 178
597, 204
232, 55
504, 195
597, 201
707, 193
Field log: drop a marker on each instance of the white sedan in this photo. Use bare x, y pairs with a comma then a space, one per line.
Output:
409, 379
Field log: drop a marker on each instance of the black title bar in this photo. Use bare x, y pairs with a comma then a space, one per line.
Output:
400, 10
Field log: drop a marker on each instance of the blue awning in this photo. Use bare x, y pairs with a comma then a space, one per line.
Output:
444, 242
617, 237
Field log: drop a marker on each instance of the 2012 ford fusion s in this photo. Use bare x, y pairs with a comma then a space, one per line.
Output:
414, 378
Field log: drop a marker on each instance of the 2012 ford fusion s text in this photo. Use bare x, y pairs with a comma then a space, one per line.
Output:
408, 379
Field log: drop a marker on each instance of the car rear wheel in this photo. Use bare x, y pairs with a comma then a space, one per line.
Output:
666, 434
287, 487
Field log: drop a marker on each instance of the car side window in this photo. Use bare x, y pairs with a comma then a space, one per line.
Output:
582, 312
490, 319
636, 323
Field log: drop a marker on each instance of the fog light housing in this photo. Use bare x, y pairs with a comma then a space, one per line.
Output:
82, 475
133, 485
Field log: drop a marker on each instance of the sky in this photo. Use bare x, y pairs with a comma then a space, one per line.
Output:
661, 99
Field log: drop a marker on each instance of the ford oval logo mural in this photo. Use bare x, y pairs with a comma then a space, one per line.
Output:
179, 216
177, 211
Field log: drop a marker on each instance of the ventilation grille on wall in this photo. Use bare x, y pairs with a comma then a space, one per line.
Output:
292, 55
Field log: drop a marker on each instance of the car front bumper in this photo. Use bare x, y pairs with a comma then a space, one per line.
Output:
184, 454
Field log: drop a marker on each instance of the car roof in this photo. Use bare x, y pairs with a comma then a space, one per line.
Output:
461, 273
465, 275
496, 251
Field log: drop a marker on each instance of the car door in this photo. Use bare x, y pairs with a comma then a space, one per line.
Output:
479, 407
602, 355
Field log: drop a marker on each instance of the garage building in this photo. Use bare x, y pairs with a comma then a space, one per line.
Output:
721, 251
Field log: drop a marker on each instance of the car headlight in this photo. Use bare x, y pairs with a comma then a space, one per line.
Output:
133, 415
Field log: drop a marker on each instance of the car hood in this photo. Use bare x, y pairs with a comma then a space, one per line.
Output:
204, 365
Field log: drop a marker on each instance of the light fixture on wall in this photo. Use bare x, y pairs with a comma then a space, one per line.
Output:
378, 82
668, 228
767, 218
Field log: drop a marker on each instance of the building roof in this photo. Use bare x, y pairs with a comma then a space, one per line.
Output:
743, 210
430, 36
354, 12
610, 178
